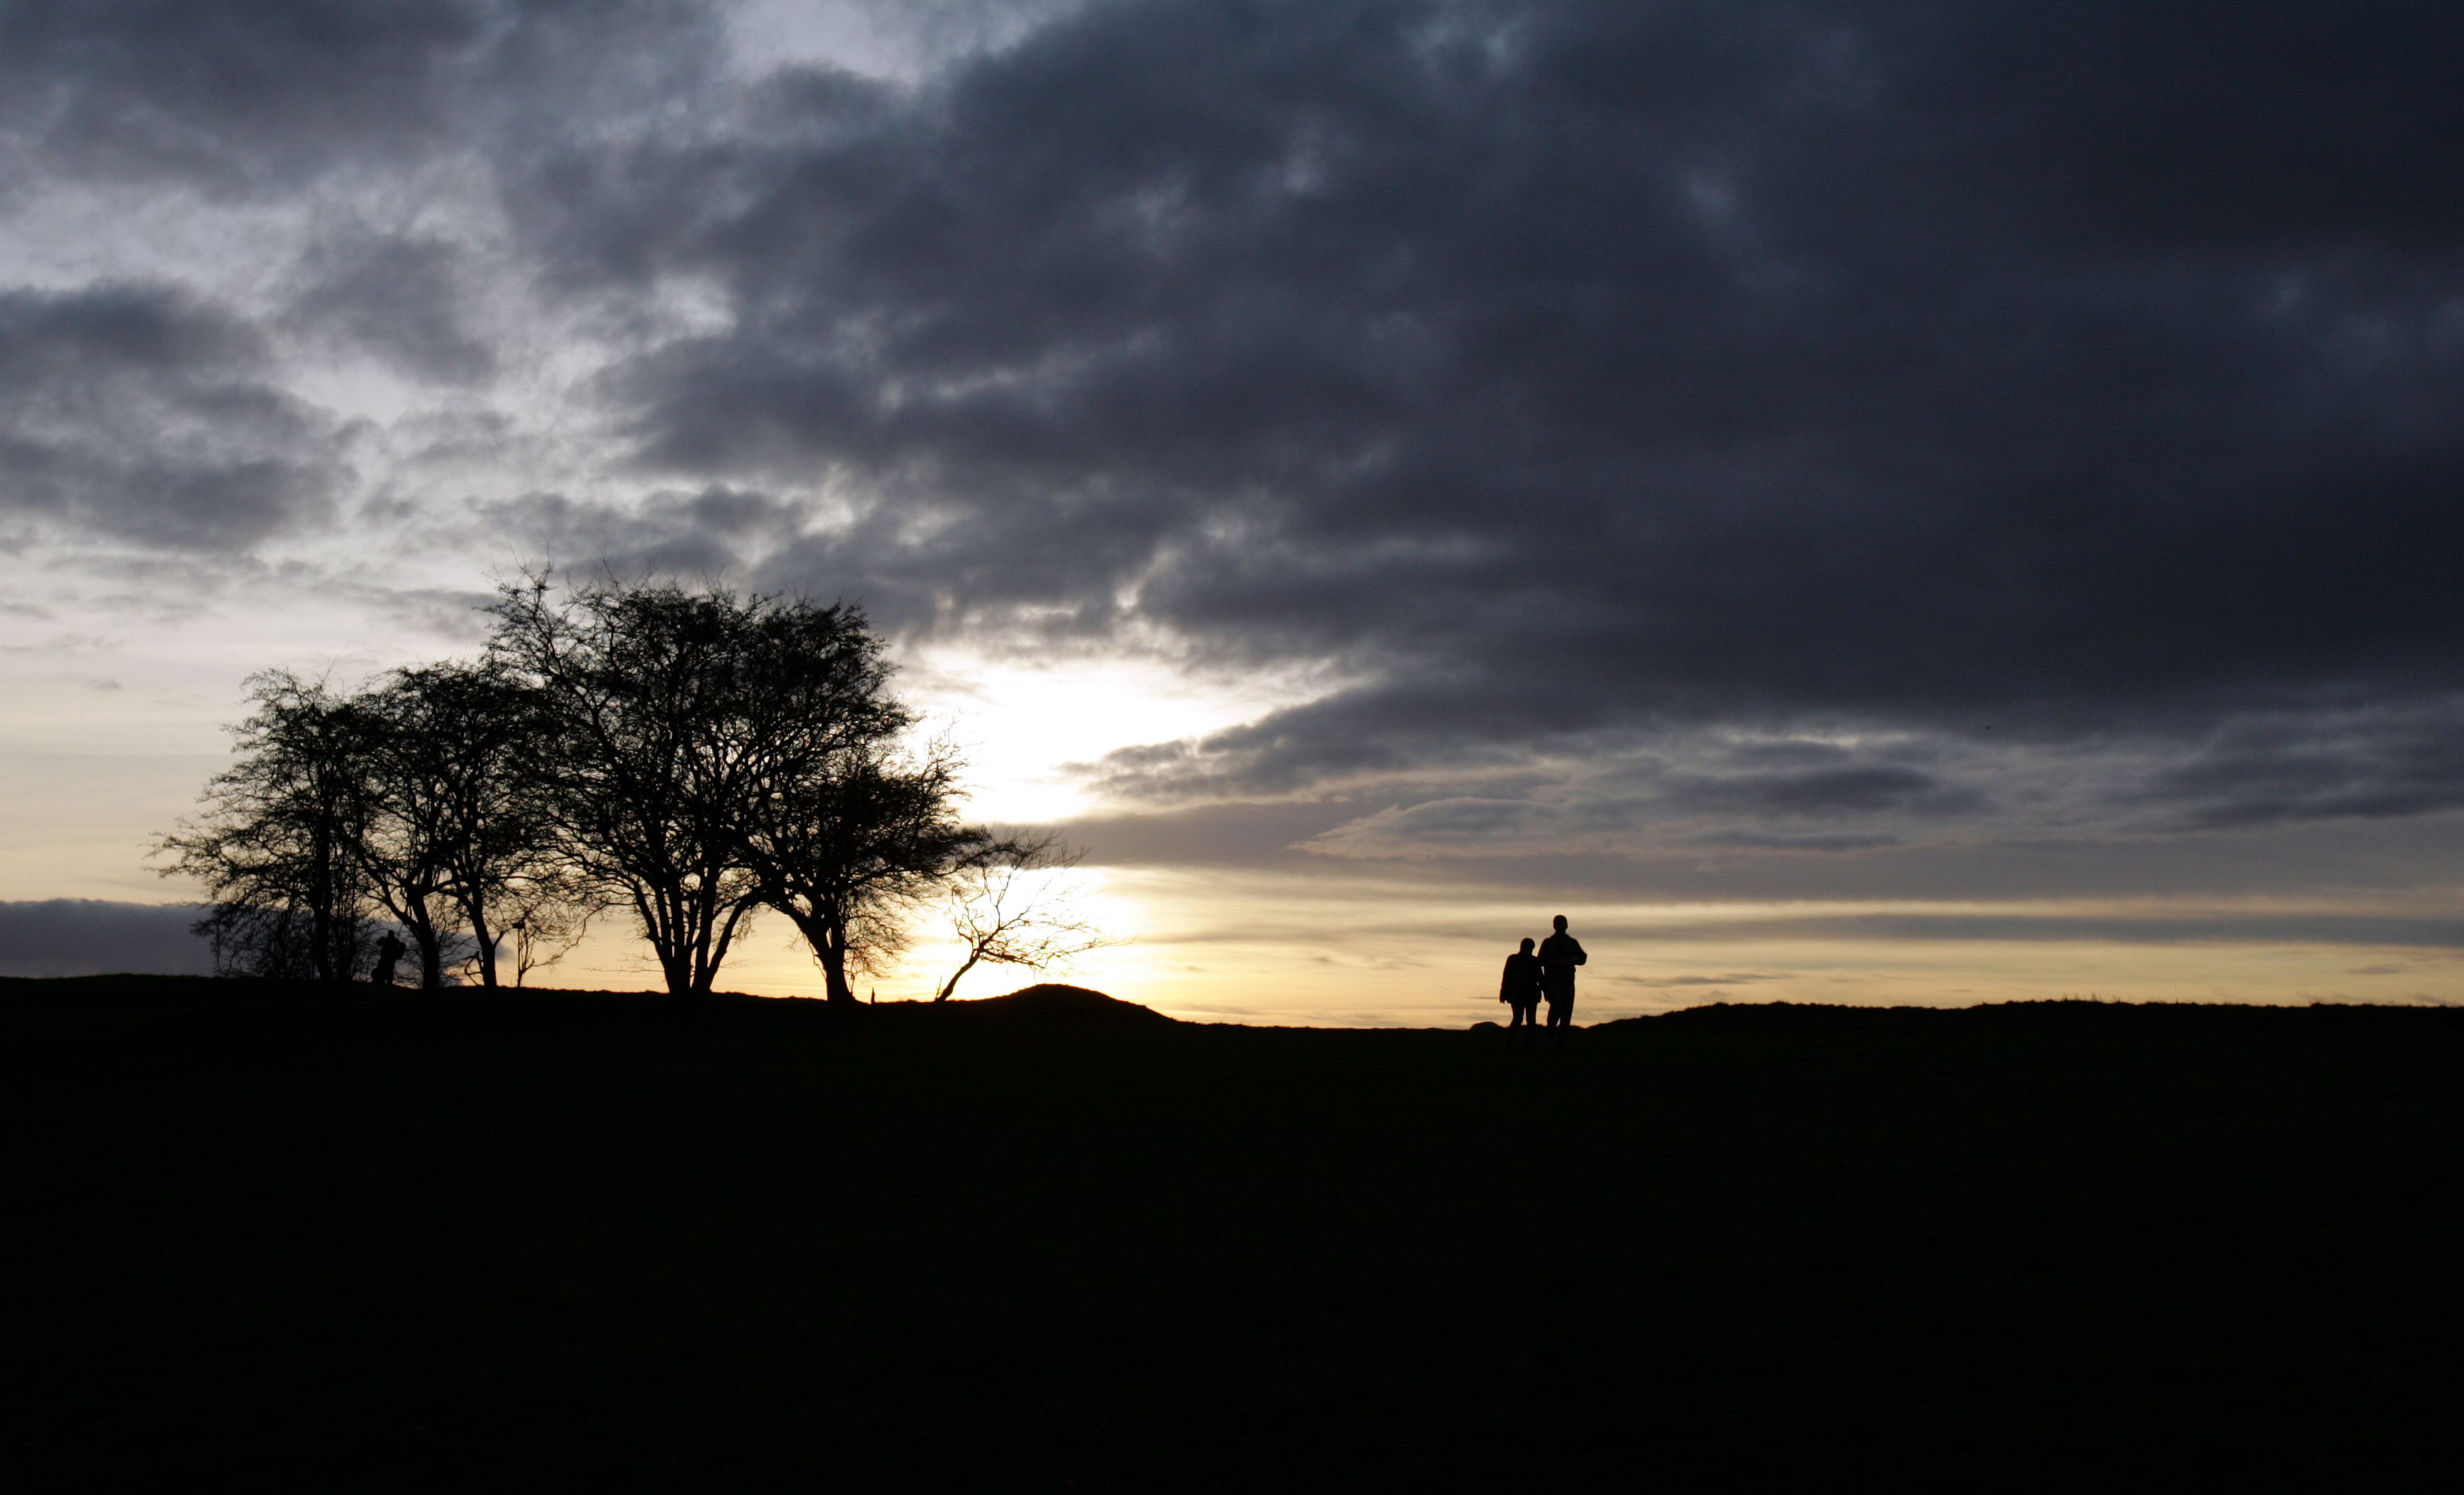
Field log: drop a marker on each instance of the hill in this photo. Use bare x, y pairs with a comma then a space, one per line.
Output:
612, 1242
1053, 1002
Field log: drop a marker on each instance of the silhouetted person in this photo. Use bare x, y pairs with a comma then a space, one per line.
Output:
1559, 954
1520, 989
388, 956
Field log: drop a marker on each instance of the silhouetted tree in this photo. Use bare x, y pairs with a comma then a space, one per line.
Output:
643, 688
850, 839
457, 843
709, 753
1012, 904
409, 790
282, 847
547, 914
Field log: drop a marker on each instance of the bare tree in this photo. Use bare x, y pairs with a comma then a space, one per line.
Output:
282, 847
646, 764
452, 745
545, 916
709, 753
1015, 904
411, 796
855, 840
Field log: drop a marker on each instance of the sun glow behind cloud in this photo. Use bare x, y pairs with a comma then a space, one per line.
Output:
1025, 727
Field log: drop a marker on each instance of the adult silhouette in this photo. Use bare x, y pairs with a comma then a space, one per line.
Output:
1559, 954
388, 956
1520, 989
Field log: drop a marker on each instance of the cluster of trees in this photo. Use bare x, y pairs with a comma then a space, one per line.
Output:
689, 757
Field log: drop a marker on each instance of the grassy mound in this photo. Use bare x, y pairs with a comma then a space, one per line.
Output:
1050, 1001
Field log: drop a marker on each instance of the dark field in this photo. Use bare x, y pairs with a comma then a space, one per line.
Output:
611, 1243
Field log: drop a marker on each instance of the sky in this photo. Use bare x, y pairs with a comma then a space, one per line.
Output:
1857, 502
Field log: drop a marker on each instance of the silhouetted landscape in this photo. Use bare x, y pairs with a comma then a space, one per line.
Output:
1445, 523
560, 1240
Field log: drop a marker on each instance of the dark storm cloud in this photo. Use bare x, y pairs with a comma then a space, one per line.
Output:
1762, 428
2374, 763
223, 92
253, 95
2080, 372
396, 297
142, 413
1784, 796
713, 533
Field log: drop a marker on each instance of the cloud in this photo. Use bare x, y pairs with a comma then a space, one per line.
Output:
2375, 762
1582, 368
1732, 978
2269, 929
143, 412
224, 93
84, 936
2347, 865
1807, 432
242, 97
397, 297
715, 532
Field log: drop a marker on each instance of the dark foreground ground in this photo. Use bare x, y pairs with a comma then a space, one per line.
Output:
611, 1243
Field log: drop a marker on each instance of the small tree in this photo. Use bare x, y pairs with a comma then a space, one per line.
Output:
282, 849
852, 841
546, 917
1015, 904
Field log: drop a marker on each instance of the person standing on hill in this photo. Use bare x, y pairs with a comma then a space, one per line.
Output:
1520, 989
1559, 954
388, 956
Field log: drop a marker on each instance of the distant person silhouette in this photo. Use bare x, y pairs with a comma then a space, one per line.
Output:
1559, 954
1520, 989
388, 956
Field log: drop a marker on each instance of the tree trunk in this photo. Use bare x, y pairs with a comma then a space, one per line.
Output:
432, 956
834, 980
952, 985
828, 944
659, 922
473, 912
